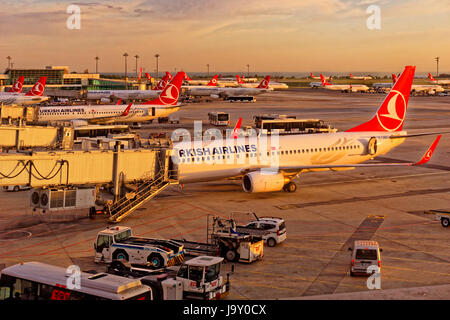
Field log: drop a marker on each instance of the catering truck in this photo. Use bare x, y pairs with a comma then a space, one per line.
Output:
117, 243
196, 279
226, 242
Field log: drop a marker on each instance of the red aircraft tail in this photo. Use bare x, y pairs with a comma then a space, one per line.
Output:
213, 81
169, 96
17, 86
38, 88
265, 83
392, 112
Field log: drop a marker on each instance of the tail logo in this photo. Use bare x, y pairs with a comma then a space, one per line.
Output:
37, 89
17, 86
171, 95
264, 83
392, 118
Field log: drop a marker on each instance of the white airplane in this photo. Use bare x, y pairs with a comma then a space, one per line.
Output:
211, 84
343, 87
33, 96
272, 84
385, 86
439, 81
268, 165
220, 92
360, 77
422, 88
165, 104
110, 95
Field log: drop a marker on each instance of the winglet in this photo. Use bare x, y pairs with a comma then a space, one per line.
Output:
235, 133
127, 110
427, 156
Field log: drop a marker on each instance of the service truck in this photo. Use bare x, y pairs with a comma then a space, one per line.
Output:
199, 278
443, 215
226, 242
117, 243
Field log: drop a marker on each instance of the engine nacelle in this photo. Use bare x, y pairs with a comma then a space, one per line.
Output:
105, 100
79, 123
215, 96
263, 182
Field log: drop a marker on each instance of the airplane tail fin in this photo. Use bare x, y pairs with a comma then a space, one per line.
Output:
311, 74
391, 114
324, 82
17, 86
213, 81
38, 88
169, 76
265, 83
239, 80
169, 96
149, 77
235, 133
351, 75
162, 83
186, 77
140, 75
119, 101
431, 77
394, 78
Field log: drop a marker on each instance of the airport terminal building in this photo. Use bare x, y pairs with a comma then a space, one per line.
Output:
63, 83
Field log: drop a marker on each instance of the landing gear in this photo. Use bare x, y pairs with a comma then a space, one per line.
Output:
290, 187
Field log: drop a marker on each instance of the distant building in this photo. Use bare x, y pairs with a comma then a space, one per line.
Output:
59, 78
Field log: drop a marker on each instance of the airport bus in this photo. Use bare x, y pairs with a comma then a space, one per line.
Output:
290, 125
40, 281
219, 118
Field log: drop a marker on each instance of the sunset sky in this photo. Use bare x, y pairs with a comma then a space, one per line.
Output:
289, 35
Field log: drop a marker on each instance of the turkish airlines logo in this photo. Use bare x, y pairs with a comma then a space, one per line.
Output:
214, 80
428, 155
264, 83
17, 86
391, 118
37, 89
162, 84
170, 95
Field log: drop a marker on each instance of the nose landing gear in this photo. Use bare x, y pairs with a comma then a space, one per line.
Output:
290, 187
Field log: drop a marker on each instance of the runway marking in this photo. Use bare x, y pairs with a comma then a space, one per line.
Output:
337, 267
368, 198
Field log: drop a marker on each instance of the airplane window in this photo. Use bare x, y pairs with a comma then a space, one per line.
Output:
290, 152
315, 149
320, 149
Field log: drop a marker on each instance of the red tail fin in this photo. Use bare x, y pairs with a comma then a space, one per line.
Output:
431, 77
392, 112
149, 77
186, 77
170, 77
38, 88
324, 82
265, 83
239, 80
119, 101
17, 86
351, 75
235, 133
140, 75
394, 78
169, 96
126, 111
213, 81
312, 76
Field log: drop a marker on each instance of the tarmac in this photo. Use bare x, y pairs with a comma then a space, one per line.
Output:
328, 211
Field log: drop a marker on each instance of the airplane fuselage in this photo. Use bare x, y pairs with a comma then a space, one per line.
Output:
230, 158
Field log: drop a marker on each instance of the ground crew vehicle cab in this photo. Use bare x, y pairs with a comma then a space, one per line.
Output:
274, 229
365, 254
197, 279
117, 243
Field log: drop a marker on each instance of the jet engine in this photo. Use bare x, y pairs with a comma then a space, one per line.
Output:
263, 182
105, 100
79, 123
215, 96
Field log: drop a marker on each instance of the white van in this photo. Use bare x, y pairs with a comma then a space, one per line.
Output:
365, 253
16, 188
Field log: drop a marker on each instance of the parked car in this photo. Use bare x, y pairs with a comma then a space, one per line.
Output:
16, 188
274, 227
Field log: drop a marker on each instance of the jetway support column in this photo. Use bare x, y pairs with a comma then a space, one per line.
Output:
116, 173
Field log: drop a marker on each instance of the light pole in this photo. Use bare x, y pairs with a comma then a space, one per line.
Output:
207, 66
96, 64
157, 70
126, 78
9, 62
437, 66
248, 71
137, 57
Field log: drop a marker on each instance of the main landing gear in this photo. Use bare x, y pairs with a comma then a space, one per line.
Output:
290, 187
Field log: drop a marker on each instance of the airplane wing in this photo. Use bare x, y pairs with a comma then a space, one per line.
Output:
425, 158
